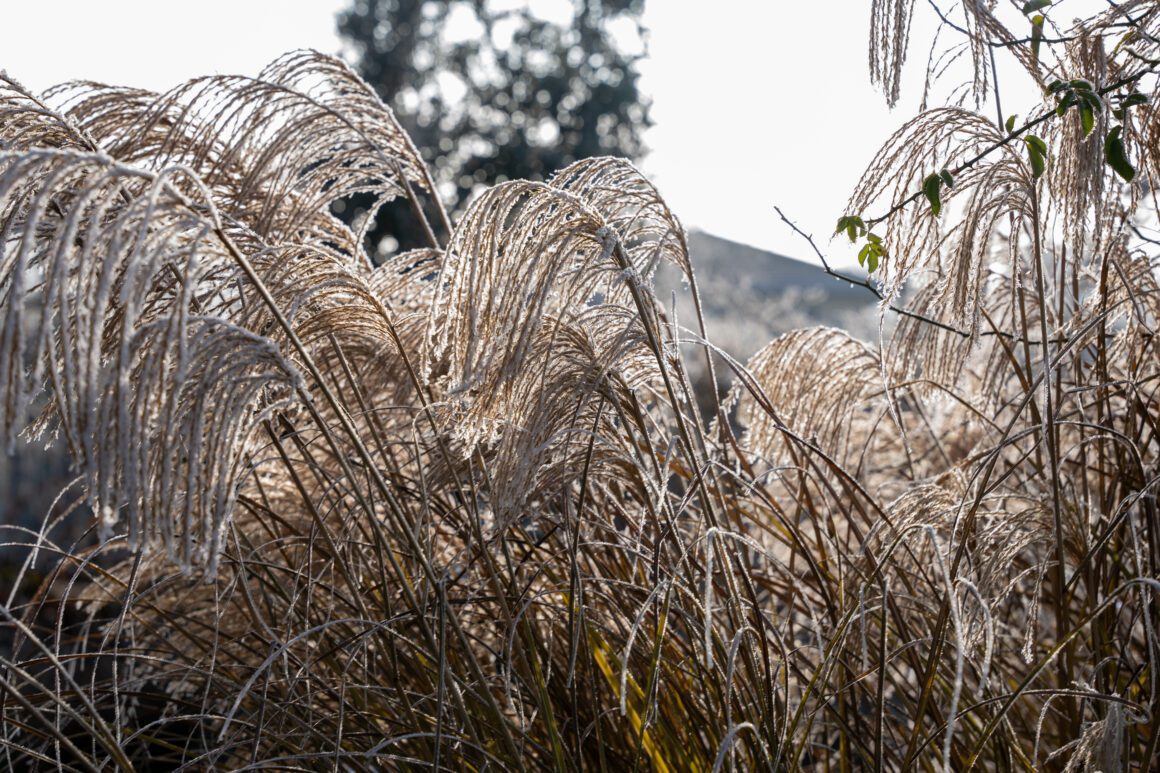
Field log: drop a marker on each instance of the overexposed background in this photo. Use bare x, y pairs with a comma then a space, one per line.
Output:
755, 103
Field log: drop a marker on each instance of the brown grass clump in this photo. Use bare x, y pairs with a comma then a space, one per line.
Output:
461, 510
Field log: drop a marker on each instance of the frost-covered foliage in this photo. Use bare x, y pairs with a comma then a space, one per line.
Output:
461, 510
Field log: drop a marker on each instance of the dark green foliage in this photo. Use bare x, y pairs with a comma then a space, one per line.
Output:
930, 189
483, 109
1036, 153
1115, 155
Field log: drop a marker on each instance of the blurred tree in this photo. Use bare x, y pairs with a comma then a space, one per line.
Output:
500, 89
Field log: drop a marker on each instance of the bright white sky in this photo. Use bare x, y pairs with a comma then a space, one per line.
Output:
756, 103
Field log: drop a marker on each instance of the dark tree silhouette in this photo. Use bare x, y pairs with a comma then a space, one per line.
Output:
493, 90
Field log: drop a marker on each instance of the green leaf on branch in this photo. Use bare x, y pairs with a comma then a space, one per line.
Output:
1116, 156
930, 189
852, 225
1011, 123
1031, 6
1037, 154
1036, 35
1087, 118
947, 178
1078, 92
1133, 99
1091, 99
871, 253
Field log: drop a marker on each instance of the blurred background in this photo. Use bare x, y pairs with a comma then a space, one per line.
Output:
730, 109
